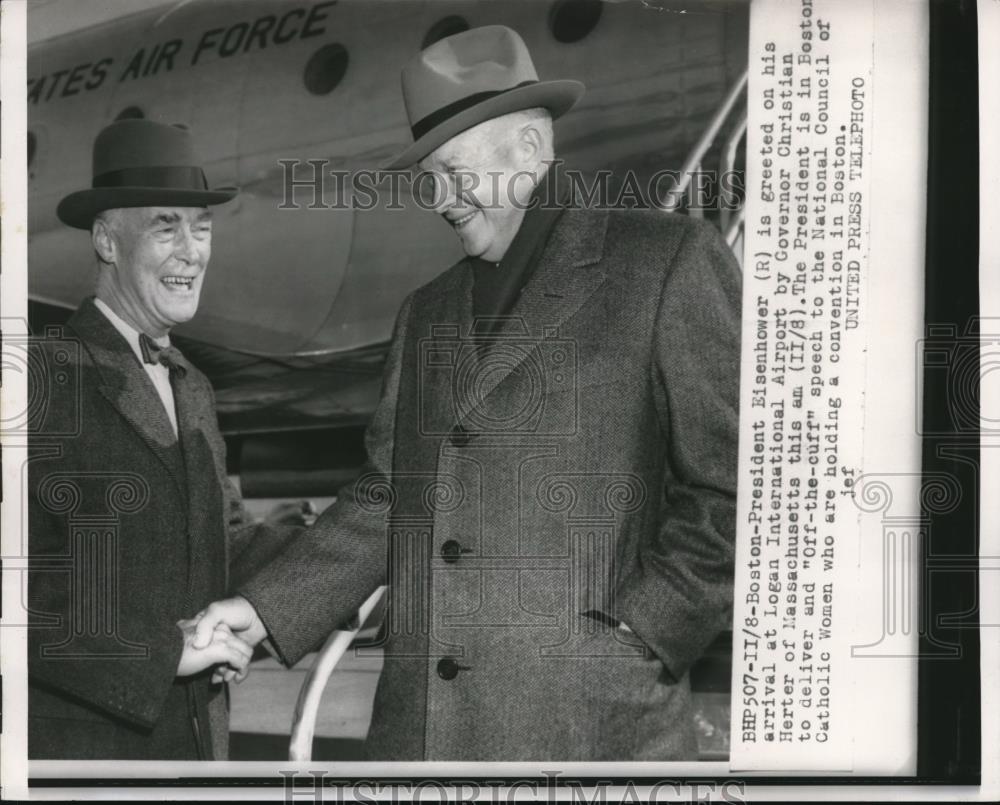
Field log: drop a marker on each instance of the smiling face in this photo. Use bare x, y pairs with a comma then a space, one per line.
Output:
153, 263
485, 176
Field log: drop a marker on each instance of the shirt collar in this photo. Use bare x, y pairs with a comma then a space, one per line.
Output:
127, 330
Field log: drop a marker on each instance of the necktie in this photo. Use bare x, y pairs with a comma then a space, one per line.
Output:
167, 356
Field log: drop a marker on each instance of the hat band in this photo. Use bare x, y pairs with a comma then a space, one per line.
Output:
439, 116
173, 177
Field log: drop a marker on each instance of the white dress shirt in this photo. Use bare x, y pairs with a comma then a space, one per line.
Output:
157, 372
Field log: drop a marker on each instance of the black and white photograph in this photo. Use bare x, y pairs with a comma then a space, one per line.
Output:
494, 398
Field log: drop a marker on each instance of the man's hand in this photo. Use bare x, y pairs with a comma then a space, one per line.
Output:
301, 513
223, 648
236, 613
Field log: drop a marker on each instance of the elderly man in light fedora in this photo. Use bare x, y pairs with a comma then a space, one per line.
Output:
127, 479
552, 466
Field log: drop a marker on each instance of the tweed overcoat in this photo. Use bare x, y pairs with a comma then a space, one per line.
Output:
530, 490
130, 530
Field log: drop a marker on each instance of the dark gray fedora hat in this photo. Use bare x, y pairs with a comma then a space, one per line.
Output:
141, 163
465, 79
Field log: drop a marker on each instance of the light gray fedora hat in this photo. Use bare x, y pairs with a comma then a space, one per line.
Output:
465, 79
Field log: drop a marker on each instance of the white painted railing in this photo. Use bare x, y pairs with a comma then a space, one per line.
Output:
311, 693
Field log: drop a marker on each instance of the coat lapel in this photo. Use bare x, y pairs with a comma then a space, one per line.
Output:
207, 552
195, 414
568, 274
126, 385
447, 317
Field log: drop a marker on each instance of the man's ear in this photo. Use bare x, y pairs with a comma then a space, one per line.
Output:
530, 144
104, 243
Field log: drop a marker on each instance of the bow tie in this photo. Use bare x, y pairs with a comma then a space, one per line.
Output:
167, 356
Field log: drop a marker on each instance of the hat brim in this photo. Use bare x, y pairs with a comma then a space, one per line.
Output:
78, 209
556, 96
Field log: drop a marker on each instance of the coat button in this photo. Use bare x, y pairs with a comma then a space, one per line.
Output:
448, 669
459, 436
451, 551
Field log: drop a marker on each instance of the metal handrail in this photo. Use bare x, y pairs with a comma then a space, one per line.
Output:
728, 162
732, 231
677, 193
695, 210
311, 692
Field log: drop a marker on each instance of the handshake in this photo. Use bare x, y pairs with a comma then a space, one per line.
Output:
223, 637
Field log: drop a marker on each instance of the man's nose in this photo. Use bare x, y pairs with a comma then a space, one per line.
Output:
449, 191
457, 198
186, 246
439, 190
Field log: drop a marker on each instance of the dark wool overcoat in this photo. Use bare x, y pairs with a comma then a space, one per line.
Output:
533, 484
130, 530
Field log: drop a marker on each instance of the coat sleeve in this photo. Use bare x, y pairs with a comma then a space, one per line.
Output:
252, 545
681, 596
324, 575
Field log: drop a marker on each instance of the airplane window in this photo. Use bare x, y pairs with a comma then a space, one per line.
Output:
444, 27
32, 147
326, 68
572, 20
131, 113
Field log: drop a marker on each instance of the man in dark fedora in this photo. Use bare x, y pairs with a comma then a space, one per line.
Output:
133, 524
552, 465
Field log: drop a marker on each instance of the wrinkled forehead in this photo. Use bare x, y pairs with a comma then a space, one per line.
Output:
142, 217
